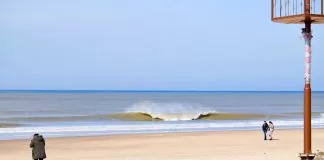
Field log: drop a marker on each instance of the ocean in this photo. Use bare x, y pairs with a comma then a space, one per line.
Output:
89, 113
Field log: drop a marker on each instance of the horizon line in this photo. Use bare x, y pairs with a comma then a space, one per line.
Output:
96, 90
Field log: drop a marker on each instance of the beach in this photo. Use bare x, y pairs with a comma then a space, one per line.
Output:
225, 145
157, 125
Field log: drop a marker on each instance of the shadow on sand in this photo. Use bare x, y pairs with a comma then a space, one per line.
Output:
274, 139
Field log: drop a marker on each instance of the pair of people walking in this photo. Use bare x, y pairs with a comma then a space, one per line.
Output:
267, 129
38, 147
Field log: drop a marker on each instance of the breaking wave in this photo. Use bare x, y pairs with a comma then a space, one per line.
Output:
142, 116
170, 111
151, 111
139, 116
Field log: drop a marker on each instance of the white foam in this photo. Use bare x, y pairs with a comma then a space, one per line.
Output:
135, 127
170, 111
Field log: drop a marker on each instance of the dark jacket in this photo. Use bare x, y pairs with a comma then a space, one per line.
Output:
38, 145
265, 127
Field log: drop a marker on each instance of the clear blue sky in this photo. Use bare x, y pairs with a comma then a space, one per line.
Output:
152, 45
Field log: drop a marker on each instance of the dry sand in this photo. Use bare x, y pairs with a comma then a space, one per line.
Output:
226, 145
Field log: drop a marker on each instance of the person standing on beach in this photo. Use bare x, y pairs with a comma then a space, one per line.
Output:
38, 145
271, 129
265, 128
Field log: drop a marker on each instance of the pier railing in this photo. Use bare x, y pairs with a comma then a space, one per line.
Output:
292, 9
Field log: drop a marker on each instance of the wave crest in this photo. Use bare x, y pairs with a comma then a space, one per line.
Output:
170, 111
139, 116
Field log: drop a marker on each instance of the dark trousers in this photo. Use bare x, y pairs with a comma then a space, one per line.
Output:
265, 135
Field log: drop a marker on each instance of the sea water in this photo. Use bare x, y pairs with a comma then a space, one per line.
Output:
86, 113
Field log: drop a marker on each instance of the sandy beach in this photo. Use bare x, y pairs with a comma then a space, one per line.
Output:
225, 145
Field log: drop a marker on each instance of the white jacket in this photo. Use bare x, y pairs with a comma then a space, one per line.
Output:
271, 127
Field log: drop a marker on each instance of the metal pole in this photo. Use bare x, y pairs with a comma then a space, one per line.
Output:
288, 7
322, 6
307, 89
272, 8
280, 8
307, 35
307, 95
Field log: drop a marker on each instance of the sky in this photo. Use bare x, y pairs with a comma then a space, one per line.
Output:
152, 45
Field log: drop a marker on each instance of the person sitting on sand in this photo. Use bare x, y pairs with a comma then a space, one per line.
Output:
38, 145
265, 128
271, 129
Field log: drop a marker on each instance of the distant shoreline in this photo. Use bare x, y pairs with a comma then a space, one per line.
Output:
62, 135
143, 91
79, 136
